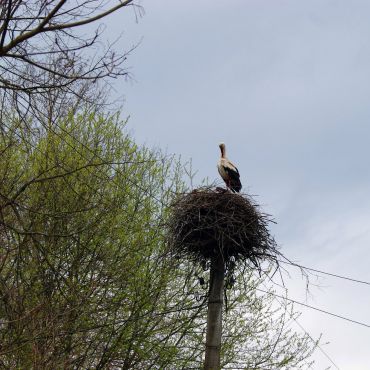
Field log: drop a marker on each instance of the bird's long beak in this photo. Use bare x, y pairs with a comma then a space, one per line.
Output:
222, 148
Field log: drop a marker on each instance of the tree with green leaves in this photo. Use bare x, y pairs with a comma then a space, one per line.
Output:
82, 274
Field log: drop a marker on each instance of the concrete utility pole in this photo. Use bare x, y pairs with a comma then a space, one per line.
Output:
214, 317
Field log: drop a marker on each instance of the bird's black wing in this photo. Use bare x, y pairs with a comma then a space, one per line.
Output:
234, 176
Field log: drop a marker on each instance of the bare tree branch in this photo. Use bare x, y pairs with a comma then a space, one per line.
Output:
39, 39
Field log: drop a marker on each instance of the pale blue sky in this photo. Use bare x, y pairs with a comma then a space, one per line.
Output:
286, 85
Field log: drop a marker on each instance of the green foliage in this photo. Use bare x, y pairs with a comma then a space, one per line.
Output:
82, 268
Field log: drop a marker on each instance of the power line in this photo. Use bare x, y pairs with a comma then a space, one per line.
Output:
309, 336
315, 308
304, 330
324, 273
319, 347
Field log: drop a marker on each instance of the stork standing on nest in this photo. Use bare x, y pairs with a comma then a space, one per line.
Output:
228, 171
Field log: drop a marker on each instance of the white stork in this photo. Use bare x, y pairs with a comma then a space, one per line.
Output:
228, 171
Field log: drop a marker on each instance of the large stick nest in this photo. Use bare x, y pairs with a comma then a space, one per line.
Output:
208, 221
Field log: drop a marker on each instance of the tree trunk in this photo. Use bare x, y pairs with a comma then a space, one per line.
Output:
214, 318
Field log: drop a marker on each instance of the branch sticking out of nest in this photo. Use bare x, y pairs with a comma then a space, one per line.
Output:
211, 221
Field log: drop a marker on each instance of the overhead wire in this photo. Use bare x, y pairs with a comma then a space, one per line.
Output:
288, 262
317, 309
318, 346
308, 334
